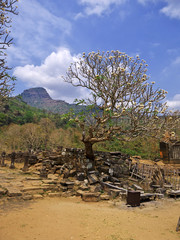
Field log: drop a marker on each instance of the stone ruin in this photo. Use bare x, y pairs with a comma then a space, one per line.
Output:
67, 172
79, 177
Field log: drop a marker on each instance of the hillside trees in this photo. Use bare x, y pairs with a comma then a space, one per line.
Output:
122, 101
7, 7
47, 127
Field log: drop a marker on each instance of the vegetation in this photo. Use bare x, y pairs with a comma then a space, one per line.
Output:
24, 127
37, 137
17, 112
123, 102
6, 81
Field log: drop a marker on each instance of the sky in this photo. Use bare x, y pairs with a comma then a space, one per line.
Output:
49, 35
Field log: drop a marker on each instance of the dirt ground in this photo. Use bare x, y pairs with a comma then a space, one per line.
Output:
72, 219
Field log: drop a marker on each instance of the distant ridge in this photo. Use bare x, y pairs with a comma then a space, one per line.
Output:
39, 98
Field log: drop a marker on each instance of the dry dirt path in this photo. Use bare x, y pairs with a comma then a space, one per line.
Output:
72, 219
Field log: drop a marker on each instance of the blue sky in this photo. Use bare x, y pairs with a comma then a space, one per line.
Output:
49, 35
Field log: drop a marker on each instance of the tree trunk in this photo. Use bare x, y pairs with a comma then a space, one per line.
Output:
89, 150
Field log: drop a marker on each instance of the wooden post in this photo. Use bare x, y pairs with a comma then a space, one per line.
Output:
178, 225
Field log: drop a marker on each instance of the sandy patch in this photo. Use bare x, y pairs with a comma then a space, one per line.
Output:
72, 219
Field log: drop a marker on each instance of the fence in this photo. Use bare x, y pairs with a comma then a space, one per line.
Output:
167, 175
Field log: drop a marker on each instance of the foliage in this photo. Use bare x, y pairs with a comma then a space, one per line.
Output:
17, 112
146, 147
17, 137
6, 81
42, 136
122, 100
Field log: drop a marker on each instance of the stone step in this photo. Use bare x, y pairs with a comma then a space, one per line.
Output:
90, 197
3, 191
13, 192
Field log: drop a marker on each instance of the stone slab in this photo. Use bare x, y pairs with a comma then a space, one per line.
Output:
13, 192
90, 197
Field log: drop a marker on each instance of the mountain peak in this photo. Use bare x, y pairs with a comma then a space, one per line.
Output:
39, 98
37, 93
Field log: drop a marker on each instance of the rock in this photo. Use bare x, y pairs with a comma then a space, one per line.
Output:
90, 197
3, 191
63, 183
68, 194
13, 192
54, 194
159, 196
63, 188
52, 176
46, 181
72, 173
48, 186
40, 191
37, 196
85, 182
103, 169
104, 197
66, 173
32, 178
92, 178
79, 192
70, 185
77, 183
80, 176
96, 188
27, 197
114, 193
84, 187
27, 189
43, 172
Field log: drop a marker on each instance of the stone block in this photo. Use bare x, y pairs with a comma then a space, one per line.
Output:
27, 197
54, 194
12, 192
2, 191
52, 177
92, 178
104, 197
37, 196
90, 197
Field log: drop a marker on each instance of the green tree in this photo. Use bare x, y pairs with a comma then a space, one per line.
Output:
6, 81
122, 101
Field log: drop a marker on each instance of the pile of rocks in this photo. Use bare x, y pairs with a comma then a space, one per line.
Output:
78, 176
67, 172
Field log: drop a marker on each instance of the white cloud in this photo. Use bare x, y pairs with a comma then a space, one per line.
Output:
144, 2
99, 7
175, 102
176, 61
49, 75
172, 10
36, 32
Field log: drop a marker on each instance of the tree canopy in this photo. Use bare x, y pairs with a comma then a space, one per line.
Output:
7, 7
122, 100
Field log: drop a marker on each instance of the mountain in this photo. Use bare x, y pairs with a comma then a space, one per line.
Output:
39, 98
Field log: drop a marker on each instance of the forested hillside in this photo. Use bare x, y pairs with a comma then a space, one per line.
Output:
18, 112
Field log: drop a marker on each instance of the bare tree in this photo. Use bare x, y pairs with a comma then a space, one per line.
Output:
47, 127
6, 81
122, 100
32, 136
